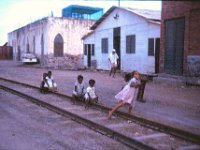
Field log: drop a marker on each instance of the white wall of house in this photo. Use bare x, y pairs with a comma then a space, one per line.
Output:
130, 24
71, 30
26, 35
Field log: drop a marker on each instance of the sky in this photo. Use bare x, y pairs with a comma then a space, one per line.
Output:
17, 13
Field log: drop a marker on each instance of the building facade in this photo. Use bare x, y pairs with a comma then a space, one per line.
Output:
133, 33
56, 41
180, 40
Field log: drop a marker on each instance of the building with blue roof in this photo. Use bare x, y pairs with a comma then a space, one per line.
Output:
83, 12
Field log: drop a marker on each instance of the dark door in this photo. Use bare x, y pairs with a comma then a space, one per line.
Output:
116, 43
89, 55
58, 46
174, 44
157, 55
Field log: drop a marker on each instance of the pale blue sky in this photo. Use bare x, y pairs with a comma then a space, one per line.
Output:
17, 13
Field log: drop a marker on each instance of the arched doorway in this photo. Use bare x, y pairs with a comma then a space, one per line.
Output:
58, 46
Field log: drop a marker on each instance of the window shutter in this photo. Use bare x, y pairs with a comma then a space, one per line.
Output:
130, 44
85, 49
93, 50
127, 44
151, 47
133, 44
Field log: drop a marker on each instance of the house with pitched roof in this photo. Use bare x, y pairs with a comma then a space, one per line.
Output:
133, 33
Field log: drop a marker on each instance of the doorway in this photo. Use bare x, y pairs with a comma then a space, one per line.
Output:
89, 47
116, 43
174, 45
157, 54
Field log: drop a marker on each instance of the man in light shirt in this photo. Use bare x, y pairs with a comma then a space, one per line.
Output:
113, 59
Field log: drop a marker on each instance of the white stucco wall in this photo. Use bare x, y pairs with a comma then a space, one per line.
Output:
130, 24
72, 30
26, 35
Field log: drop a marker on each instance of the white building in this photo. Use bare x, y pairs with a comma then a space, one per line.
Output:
134, 33
55, 40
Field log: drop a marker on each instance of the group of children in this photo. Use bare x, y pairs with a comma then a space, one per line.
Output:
80, 93
127, 95
48, 83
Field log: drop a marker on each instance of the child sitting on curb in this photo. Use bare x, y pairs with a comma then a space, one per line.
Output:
90, 95
79, 89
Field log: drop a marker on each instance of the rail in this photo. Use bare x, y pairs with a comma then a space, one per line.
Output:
192, 137
131, 142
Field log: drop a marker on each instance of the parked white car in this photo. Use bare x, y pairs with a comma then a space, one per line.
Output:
29, 58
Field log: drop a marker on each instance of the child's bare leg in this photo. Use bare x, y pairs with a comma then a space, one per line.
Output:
55, 89
87, 101
129, 109
73, 98
96, 100
111, 70
114, 71
115, 108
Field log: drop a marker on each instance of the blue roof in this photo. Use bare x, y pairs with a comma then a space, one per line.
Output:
82, 9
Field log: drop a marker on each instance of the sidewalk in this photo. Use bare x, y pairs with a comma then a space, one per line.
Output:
175, 106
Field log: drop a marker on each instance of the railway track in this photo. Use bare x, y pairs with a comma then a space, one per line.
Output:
140, 134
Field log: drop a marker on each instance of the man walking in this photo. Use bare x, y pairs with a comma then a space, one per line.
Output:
114, 61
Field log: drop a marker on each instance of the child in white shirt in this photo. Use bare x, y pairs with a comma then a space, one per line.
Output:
50, 84
79, 89
43, 89
90, 95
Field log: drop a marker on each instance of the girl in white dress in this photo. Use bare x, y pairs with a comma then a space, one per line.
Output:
127, 94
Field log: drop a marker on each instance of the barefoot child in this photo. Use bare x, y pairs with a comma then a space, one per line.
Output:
127, 94
50, 84
79, 89
90, 95
43, 89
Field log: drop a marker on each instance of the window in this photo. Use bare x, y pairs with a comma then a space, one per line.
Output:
104, 45
85, 49
151, 47
93, 50
58, 46
130, 44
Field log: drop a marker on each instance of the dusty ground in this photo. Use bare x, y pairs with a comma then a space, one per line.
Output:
176, 106
41, 129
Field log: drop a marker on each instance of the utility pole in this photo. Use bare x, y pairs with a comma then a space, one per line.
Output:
118, 3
